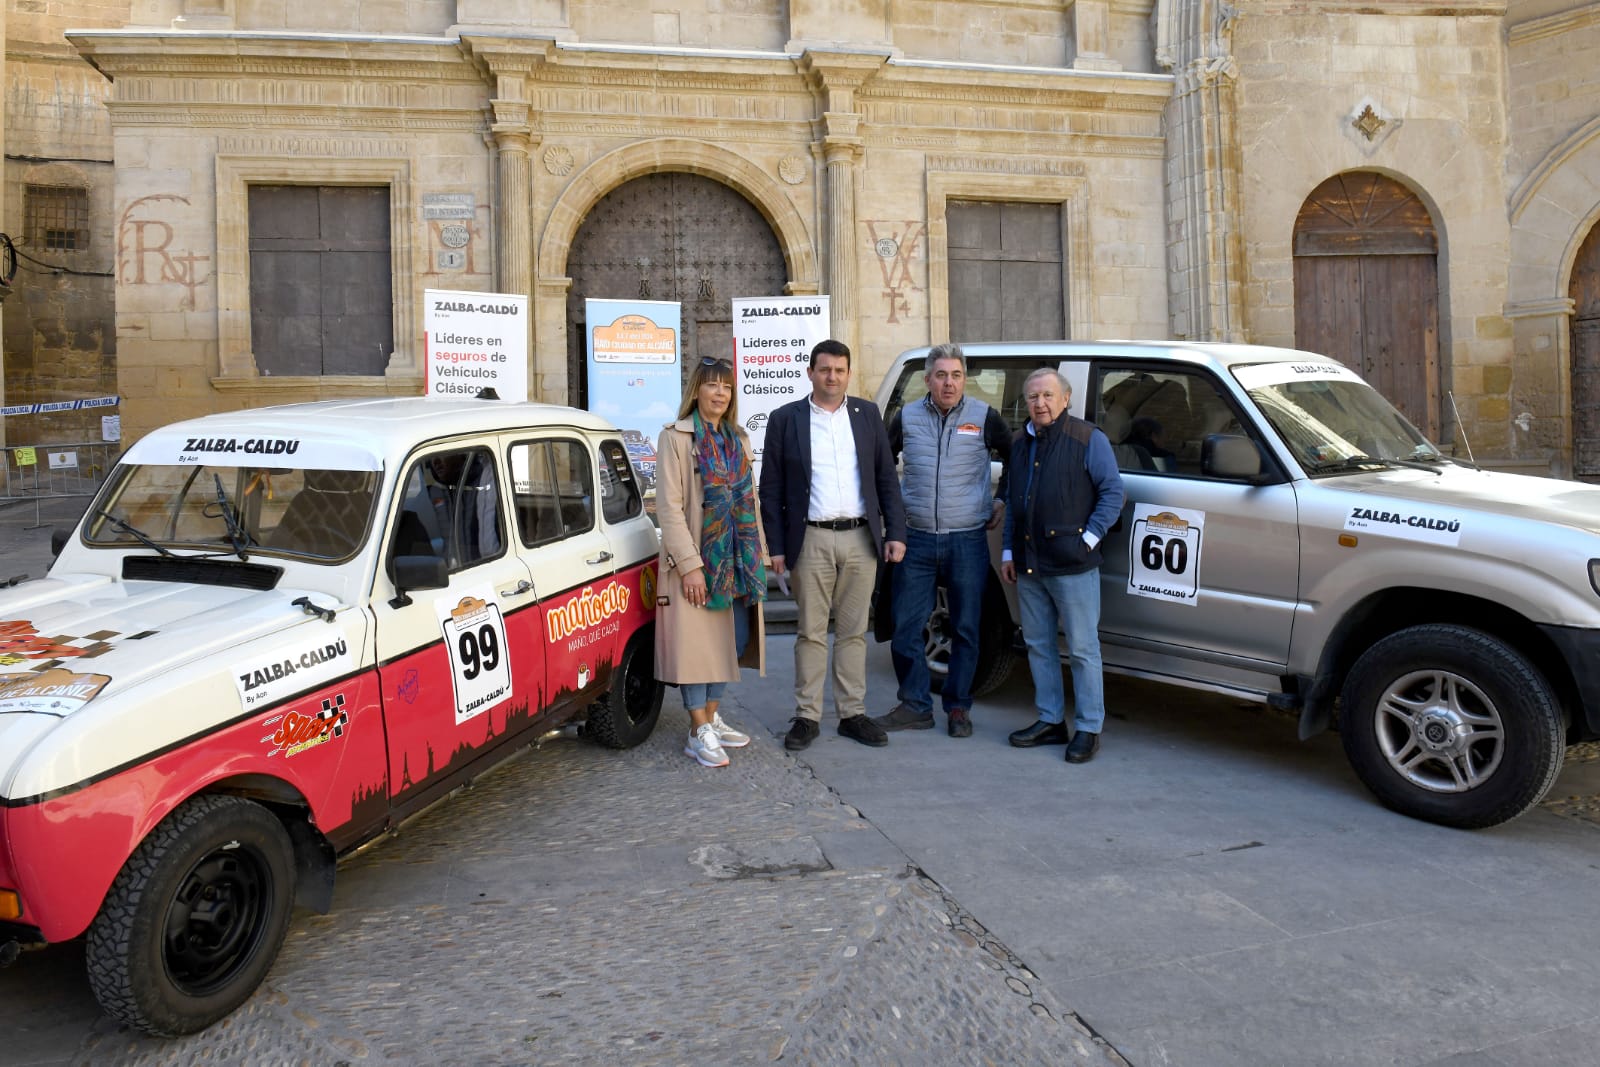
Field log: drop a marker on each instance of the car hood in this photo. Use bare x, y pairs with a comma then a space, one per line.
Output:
1518, 496
66, 641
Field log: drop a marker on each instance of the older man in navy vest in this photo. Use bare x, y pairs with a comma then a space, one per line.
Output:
946, 440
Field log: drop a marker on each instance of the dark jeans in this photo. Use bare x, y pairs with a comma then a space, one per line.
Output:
960, 563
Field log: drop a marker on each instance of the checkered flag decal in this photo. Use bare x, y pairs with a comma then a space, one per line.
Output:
333, 708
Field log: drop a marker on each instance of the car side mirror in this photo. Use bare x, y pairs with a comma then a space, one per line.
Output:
58, 540
1230, 456
417, 572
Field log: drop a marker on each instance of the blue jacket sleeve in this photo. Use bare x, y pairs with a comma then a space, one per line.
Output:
1101, 464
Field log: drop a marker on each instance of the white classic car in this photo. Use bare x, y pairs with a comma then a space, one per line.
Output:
277, 633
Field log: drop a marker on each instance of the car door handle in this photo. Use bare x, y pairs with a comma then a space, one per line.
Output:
601, 558
522, 587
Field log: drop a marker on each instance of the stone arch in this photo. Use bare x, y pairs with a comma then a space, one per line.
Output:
671, 153
1544, 240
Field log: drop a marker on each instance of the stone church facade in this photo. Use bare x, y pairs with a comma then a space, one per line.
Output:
1412, 188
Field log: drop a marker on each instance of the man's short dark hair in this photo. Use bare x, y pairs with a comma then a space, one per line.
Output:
830, 347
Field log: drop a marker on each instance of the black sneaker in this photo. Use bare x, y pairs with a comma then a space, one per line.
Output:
1082, 747
801, 733
960, 724
902, 718
860, 728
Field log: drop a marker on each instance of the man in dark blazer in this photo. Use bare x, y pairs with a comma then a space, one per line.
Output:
830, 505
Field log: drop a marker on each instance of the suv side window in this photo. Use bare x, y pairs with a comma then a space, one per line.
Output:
451, 508
996, 381
1158, 420
619, 491
553, 489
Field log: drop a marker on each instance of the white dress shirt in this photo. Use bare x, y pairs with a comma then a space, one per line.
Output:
835, 469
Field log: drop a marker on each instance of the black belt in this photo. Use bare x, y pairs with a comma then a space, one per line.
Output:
837, 524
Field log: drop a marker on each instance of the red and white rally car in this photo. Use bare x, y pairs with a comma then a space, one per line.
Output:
277, 633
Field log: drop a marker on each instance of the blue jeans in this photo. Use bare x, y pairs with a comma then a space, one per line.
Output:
959, 562
1072, 602
697, 695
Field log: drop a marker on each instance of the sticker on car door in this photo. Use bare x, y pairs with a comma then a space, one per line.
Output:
480, 661
1164, 553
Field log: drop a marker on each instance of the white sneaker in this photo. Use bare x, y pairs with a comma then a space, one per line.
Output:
727, 735
704, 746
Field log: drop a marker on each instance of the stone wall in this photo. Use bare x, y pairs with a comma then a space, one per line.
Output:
58, 332
1437, 83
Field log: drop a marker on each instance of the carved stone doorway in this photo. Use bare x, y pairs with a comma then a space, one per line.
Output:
1366, 288
671, 236
1585, 293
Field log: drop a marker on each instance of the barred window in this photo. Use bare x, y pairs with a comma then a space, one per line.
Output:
57, 217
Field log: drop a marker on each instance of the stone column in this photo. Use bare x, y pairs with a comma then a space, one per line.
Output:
1091, 31
1205, 251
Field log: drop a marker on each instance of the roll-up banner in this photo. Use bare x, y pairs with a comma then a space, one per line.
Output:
772, 341
635, 372
475, 341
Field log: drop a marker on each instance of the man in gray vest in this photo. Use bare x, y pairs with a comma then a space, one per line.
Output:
946, 441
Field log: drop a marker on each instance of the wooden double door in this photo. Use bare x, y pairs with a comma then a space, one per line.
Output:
671, 236
1366, 288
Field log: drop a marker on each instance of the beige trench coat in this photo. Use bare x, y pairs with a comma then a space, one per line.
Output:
693, 644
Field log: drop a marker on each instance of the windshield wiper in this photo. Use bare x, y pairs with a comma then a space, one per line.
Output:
133, 531
1352, 463
237, 537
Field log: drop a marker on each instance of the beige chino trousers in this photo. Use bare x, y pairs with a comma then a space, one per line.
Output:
834, 574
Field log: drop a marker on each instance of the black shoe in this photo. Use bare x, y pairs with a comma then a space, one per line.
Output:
801, 733
1083, 747
960, 724
1040, 733
860, 728
902, 718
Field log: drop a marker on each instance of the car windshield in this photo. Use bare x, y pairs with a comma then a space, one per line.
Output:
1332, 421
321, 515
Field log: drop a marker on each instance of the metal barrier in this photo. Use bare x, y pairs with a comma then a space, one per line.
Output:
49, 472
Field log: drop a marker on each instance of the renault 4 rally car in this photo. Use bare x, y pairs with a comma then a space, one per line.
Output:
274, 635
1289, 537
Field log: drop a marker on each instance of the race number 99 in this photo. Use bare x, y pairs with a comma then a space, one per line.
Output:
480, 651
480, 670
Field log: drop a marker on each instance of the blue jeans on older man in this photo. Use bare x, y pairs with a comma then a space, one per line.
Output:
958, 561
1072, 603
697, 695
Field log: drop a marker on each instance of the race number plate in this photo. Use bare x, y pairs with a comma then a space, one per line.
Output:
1164, 554
480, 662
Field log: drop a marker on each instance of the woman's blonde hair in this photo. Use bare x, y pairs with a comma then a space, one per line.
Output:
710, 369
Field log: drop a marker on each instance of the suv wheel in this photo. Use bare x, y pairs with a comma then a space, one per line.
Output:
1451, 725
995, 657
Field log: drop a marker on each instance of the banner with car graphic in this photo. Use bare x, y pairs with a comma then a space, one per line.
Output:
772, 341
635, 373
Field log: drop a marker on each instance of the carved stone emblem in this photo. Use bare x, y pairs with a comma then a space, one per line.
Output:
792, 169
558, 160
1368, 122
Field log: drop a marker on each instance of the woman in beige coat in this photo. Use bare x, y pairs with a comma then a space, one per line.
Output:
713, 558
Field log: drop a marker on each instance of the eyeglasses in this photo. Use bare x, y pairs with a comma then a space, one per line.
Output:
713, 361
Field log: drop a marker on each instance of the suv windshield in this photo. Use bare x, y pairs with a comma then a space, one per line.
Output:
318, 514
1331, 420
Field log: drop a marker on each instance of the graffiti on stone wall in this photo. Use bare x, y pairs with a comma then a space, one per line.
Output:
898, 246
145, 253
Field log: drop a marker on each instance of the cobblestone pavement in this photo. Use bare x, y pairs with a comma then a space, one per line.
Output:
586, 906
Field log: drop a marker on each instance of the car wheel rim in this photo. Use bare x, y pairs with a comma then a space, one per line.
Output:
216, 919
1439, 731
936, 636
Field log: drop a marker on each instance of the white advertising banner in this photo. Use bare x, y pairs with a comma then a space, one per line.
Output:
475, 341
772, 341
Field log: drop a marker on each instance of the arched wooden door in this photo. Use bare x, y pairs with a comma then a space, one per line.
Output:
671, 236
1585, 293
1366, 288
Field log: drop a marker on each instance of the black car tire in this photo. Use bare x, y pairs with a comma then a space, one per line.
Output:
627, 714
1452, 725
195, 918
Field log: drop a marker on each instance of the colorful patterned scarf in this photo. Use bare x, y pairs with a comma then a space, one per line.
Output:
730, 546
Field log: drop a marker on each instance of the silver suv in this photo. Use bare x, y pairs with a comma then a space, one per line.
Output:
1289, 537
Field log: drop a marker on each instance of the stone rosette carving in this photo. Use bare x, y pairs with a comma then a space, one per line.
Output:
558, 160
792, 169
1368, 125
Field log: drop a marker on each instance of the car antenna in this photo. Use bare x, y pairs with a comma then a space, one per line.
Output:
487, 393
1460, 429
